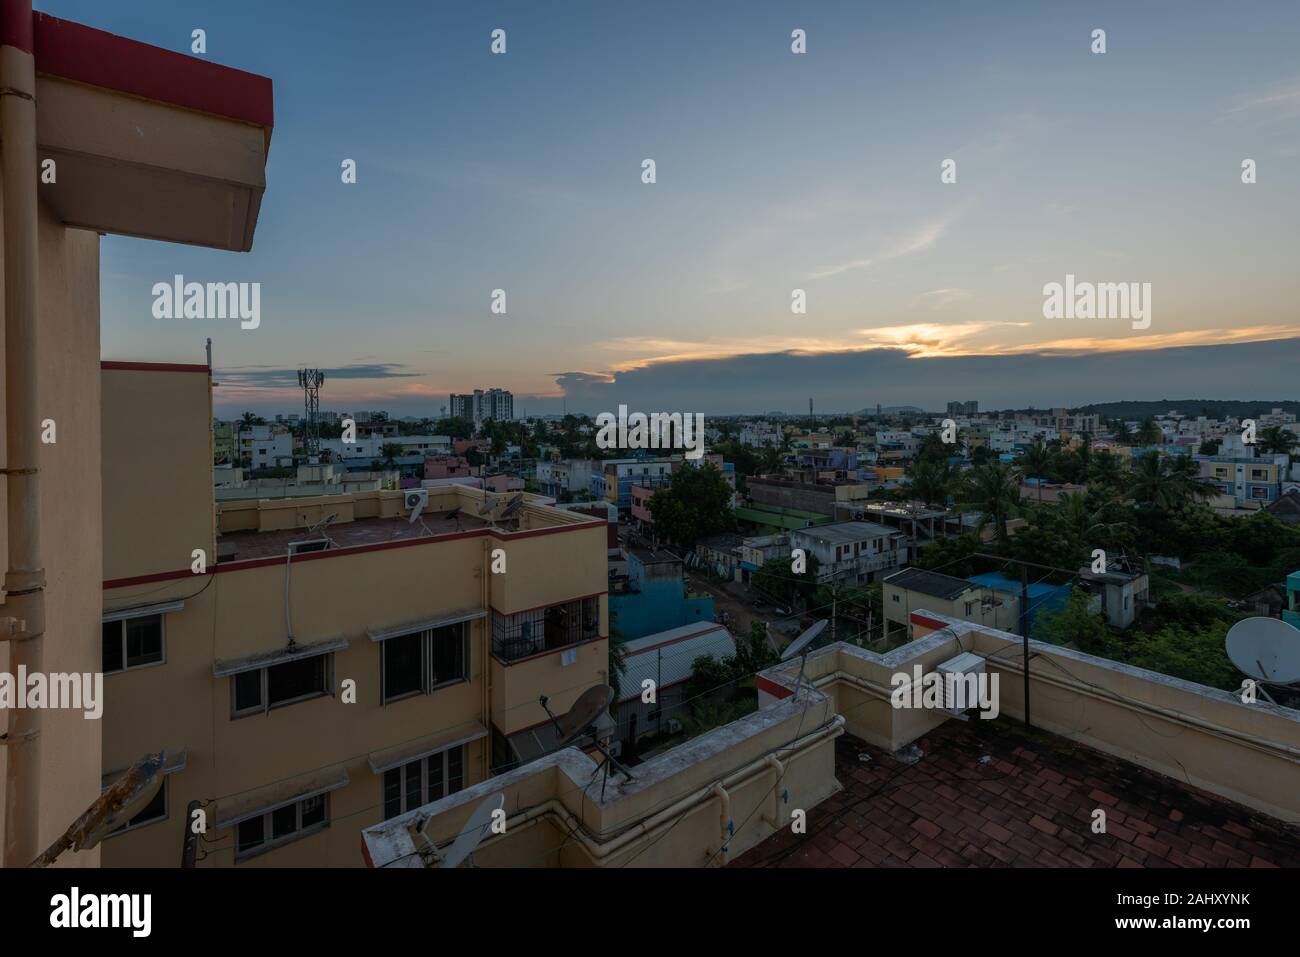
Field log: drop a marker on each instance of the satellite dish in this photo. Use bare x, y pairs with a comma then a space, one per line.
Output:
803, 641
487, 506
570, 725
476, 829
454, 513
1267, 649
514, 506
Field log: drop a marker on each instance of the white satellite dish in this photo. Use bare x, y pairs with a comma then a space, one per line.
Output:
803, 641
476, 829
1267, 649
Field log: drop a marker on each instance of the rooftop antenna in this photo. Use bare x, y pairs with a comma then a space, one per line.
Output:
800, 647
310, 380
573, 724
1266, 649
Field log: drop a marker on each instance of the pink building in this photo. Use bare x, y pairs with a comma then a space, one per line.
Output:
641, 495
447, 466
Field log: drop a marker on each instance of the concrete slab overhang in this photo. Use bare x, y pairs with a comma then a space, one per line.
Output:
147, 142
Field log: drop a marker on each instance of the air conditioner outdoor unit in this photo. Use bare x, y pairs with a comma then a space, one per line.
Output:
964, 664
674, 726
615, 748
417, 500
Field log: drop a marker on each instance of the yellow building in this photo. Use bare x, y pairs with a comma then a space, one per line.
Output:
100, 135
313, 666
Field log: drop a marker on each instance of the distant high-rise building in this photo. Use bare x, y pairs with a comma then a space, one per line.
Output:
964, 408
478, 405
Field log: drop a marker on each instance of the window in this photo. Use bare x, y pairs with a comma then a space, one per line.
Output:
281, 825
420, 782
132, 643
261, 689
423, 661
895, 597
151, 813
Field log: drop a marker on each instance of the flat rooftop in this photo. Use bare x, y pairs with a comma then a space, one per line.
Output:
988, 794
363, 531
845, 532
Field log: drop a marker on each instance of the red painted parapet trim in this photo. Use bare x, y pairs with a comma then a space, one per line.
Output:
155, 366
77, 52
16, 24
771, 687
926, 621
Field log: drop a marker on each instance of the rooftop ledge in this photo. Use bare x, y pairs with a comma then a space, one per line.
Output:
148, 142
258, 529
721, 794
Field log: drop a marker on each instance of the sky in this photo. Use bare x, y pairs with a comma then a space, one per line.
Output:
774, 172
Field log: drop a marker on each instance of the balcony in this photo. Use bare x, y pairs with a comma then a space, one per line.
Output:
542, 630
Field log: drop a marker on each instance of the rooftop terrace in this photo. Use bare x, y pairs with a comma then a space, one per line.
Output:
251, 543
985, 794
264, 528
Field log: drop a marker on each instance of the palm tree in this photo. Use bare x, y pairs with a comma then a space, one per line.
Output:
1105, 472
1148, 432
1120, 430
931, 481
1276, 439
1036, 460
390, 451
1187, 480
994, 491
1150, 484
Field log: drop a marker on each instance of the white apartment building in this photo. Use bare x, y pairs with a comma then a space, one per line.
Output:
265, 446
852, 552
568, 476
371, 445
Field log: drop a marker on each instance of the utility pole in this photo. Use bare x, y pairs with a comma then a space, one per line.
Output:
1024, 608
191, 844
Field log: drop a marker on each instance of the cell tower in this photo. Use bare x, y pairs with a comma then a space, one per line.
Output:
310, 380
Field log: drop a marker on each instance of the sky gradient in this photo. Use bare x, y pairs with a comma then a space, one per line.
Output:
775, 172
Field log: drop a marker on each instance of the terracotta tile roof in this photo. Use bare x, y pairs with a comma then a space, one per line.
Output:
985, 794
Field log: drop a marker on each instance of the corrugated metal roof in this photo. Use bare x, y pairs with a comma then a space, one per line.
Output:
666, 657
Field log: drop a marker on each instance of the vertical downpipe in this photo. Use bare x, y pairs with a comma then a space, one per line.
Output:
25, 579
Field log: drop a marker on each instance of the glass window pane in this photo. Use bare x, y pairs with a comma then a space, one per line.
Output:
143, 641
295, 679
284, 821
155, 810
448, 650
250, 833
413, 782
392, 793
112, 632
402, 666
313, 810
434, 762
455, 769
248, 690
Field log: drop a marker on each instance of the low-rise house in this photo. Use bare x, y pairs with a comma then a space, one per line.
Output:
1124, 592
854, 552
667, 659
906, 591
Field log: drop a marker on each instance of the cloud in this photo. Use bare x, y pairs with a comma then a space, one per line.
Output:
267, 377
1279, 101
909, 244
941, 298
851, 380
